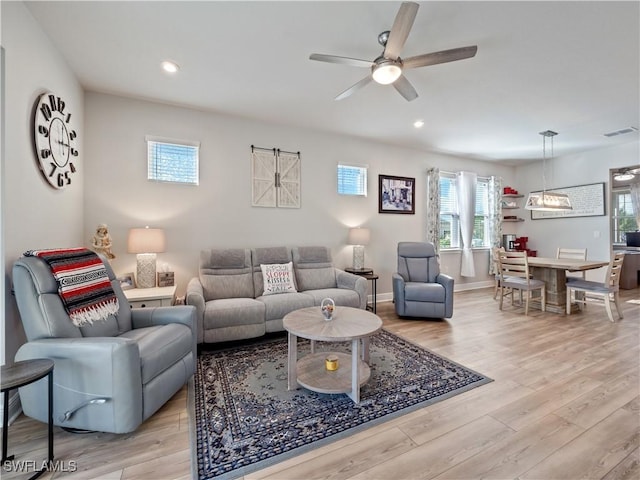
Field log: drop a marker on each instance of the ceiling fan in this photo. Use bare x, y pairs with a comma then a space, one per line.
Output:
388, 67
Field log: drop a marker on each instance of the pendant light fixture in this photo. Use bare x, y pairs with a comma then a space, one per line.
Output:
547, 201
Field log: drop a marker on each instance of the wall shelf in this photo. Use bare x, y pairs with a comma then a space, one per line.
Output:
509, 202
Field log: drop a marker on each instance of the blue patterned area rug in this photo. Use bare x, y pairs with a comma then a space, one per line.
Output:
246, 420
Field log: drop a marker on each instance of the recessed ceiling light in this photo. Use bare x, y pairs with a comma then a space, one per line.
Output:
170, 67
418, 123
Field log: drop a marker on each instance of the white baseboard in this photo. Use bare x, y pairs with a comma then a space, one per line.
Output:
461, 287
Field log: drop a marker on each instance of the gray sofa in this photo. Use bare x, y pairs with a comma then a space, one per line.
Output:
228, 292
111, 375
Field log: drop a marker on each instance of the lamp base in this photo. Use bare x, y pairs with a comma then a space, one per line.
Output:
358, 257
146, 270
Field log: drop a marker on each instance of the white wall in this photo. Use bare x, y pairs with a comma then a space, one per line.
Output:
592, 233
34, 215
218, 213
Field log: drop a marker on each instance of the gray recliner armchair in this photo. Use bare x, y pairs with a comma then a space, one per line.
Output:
419, 289
111, 375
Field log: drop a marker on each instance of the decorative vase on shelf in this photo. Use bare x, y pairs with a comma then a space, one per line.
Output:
327, 306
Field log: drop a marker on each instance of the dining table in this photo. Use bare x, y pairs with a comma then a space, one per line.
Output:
553, 271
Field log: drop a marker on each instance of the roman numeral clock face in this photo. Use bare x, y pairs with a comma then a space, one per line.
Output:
55, 140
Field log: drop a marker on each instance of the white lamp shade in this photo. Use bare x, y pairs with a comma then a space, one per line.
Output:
146, 240
359, 236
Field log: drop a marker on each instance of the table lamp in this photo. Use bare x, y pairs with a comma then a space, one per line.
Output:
358, 237
146, 242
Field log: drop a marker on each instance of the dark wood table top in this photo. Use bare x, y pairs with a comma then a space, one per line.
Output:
22, 373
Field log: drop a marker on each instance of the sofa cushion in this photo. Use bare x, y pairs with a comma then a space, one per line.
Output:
277, 306
231, 312
313, 268
424, 292
226, 273
277, 278
341, 296
160, 347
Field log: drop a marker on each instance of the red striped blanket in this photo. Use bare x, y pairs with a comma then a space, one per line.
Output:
83, 284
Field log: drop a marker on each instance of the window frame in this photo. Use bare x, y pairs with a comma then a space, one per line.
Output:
364, 169
452, 217
194, 168
616, 219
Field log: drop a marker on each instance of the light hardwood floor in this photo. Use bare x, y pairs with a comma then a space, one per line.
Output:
565, 404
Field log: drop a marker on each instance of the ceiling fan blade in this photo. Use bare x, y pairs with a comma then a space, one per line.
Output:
404, 87
354, 62
443, 56
354, 88
400, 29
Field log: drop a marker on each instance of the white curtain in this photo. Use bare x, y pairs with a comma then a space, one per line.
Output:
433, 208
466, 190
635, 202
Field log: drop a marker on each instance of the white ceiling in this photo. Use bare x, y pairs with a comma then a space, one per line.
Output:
572, 67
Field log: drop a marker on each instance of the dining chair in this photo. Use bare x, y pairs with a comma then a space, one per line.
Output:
577, 254
514, 275
496, 269
599, 292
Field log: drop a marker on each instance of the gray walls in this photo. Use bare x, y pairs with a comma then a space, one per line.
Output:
591, 233
34, 215
218, 213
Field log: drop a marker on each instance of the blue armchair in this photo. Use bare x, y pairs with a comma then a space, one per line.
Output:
419, 289
111, 375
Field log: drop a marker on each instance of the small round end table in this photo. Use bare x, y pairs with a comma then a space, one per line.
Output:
20, 374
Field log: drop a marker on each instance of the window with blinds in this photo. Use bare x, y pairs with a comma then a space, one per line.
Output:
450, 220
623, 219
172, 161
352, 180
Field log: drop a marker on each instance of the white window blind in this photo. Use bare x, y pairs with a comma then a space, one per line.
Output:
450, 220
352, 180
172, 161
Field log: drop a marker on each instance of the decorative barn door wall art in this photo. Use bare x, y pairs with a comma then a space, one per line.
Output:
275, 178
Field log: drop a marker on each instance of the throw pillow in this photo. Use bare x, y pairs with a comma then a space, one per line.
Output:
278, 278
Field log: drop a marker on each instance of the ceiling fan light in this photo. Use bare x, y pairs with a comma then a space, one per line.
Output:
386, 72
623, 177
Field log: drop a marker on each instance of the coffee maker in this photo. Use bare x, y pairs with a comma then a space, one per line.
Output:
509, 242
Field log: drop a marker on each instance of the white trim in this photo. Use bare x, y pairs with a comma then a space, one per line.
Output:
173, 141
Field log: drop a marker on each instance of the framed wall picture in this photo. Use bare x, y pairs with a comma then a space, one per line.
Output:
396, 194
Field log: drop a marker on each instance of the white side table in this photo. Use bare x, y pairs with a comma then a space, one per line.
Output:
151, 297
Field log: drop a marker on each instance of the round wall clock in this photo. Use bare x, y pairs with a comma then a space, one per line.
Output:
55, 139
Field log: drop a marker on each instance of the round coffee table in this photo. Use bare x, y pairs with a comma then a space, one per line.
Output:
348, 325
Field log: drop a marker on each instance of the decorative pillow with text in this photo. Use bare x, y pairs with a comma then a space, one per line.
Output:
278, 278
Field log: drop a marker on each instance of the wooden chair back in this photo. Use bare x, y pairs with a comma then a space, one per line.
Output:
615, 269
514, 264
576, 253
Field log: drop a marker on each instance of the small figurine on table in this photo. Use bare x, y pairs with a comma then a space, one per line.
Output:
102, 241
